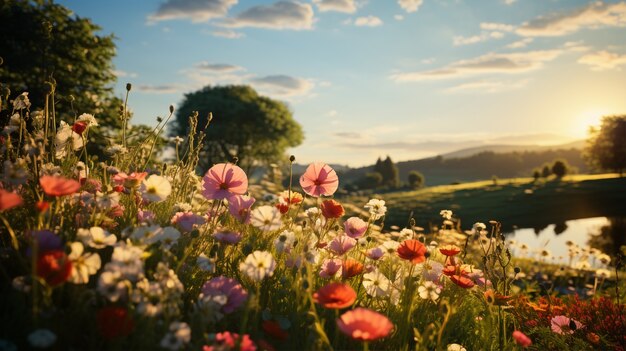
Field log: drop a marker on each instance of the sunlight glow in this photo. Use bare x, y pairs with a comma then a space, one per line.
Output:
589, 118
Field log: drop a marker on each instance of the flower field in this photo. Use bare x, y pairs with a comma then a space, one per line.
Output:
134, 253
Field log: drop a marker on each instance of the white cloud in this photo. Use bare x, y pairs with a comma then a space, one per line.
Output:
410, 5
279, 15
194, 10
123, 74
428, 61
595, 15
282, 85
603, 60
398, 17
218, 67
487, 86
502, 27
369, 21
484, 36
332, 113
228, 34
576, 46
489, 63
345, 6
159, 89
509, 2
520, 43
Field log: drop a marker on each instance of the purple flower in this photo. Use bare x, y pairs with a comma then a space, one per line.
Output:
234, 292
45, 240
341, 244
229, 238
187, 221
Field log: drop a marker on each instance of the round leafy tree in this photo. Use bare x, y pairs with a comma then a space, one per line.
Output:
253, 128
606, 146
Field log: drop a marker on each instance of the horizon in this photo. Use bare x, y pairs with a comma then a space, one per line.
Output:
430, 77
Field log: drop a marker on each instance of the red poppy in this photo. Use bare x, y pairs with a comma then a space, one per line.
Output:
54, 267
42, 206
412, 250
335, 295
494, 298
450, 250
274, 330
462, 281
449, 270
332, 209
114, 322
282, 207
9, 200
365, 325
350, 268
521, 339
58, 186
79, 127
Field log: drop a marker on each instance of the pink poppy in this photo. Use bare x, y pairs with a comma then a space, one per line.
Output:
330, 268
341, 244
223, 181
375, 253
365, 325
58, 186
231, 341
234, 292
521, 339
563, 325
229, 238
9, 200
130, 181
239, 207
355, 227
319, 179
187, 221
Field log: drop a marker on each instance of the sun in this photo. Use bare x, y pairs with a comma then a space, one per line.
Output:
588, 118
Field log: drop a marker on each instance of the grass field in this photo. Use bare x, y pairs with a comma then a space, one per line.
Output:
519, 202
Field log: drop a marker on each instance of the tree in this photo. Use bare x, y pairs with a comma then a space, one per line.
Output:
545, 171
371, 181
389, 172
560, 168
536, 174
245, 125
46, 47
606, 147
415, 179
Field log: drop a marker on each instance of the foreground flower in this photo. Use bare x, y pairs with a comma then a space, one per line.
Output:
9, 200
239, 206
178, 336
266, 218
258, 265
114, 322
429, 291
376, 208
351, 268
54, 267
449, 250
455, 347
228, 287
364, 325
155, 188
412, 250
96, 237
332, 209
521, 339
341, 244
83, 264
563, 325
355, 227
223, 181
319, 179
335, 295
231, 341
58, 186
376, 284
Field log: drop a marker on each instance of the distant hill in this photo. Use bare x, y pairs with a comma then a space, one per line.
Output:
478, 163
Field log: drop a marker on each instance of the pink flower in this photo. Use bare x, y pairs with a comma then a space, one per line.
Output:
230, 238
145, 216
239, 206
375, 253
231, 341
187, 221
521, 339
319, 179
58, 186
341, 244
130, 181
234, 292
9, 200
563, 325
355, 227
223, 181
365, 325
330, 268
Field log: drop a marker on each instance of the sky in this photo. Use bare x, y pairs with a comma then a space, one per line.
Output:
371, 78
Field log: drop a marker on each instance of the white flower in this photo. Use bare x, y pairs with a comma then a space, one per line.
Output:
429, 291
446, 214
603, 273
479, 228
178, 336
258, 265
21, 102
266, 218
66, 138
390, 246
83, 264
430, 270
456, 347
205, 263
167, 236
42, 338
376, 284
116, 149
89, 119
604, 258
285, 241
126, 260
112, 286
155, 188
96, 237
106, 201
376, 208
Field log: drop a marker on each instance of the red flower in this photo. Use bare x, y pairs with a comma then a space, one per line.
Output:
79, 127
42, 206
350, 268
449, 270
274, 330
412, 250
54, 267
365, 325
9, 200
58, 186
450, 250
462, 280
335, 295
332, 209
521, 339
282, 207
114, 322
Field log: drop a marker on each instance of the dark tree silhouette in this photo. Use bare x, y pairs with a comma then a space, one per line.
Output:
606, 146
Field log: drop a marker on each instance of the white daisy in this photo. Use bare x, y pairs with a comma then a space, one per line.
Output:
83, 264
376, 284
258, 265
155, 188
266, 218
429, 291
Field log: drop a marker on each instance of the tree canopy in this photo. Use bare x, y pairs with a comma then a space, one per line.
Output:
246, 125
606, 146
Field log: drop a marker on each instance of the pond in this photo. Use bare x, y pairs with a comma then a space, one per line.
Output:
605, 234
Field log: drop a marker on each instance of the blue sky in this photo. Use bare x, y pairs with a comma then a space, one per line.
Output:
405, 78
